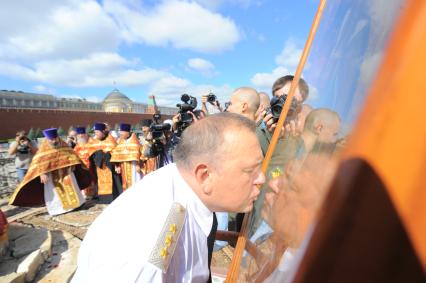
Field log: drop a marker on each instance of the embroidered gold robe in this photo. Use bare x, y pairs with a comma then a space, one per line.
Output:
103, 172
83, 152
128, 154
60, 163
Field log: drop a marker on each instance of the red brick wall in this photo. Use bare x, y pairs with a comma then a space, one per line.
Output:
13, 120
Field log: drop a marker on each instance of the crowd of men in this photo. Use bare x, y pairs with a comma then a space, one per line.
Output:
182, 179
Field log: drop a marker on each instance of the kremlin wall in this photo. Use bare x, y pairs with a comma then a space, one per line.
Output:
25, 111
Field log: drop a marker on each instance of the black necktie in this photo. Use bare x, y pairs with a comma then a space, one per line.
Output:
210, 243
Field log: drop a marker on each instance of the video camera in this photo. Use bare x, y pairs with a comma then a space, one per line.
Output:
189, 104
277, 103
157, 130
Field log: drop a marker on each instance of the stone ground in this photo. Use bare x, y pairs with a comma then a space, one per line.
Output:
44, 248
8, 176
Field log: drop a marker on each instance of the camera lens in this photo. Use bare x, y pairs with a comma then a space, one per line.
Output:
276, 110
185, 97
211, 98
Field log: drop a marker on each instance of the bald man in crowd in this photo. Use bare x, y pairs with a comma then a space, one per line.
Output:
173, 208
244, 101
320, 131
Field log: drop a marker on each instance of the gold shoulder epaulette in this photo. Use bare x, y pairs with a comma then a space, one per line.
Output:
169, 236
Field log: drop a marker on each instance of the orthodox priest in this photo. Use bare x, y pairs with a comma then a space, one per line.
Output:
127, 157
54, 178
83, 151
100, 147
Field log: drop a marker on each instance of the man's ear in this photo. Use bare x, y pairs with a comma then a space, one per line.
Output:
318, 129
202, 176
244, 107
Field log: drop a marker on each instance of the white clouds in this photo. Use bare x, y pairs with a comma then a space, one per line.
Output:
76, 43
76, 28
72, 30
215, 4
99, 69
179, 24
290, 55
287, 62
205, 67
264, 81
44, 89
168, 91
313, 94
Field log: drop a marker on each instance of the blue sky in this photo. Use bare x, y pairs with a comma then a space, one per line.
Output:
79, 48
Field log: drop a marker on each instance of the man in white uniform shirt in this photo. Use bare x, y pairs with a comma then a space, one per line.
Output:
157, 230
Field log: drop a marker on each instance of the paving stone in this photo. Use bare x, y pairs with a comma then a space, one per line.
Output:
31, 265
29, 242
46, 246
9, 265
4, 249
62, 264
13, 278
17, 230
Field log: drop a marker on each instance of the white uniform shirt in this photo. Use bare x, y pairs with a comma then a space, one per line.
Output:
119, 243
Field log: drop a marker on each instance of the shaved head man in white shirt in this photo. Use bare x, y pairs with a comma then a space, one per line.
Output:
157, 230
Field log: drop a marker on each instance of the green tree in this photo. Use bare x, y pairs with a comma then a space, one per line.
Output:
89, 129
38, 133
61, 132
31, 134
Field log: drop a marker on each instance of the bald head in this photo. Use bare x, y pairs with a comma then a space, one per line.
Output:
206, 140
244, 101
324, 123
320, 116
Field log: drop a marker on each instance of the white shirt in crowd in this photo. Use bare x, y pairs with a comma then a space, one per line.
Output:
121, 242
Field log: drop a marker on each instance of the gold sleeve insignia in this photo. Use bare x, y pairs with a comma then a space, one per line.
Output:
165, 246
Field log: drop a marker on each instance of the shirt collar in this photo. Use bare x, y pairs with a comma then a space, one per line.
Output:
186, 196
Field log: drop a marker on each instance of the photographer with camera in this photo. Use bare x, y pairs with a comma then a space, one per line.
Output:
210, 104
270, 116
186, 115
164, 137
159, 142
23, 149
